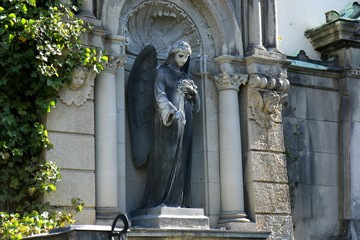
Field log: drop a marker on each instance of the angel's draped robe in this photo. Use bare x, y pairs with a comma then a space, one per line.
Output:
169, 174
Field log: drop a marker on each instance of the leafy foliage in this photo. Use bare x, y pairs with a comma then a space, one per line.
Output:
39, 49
16, 226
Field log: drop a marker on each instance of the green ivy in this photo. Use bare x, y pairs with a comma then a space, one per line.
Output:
17, 226
39, 49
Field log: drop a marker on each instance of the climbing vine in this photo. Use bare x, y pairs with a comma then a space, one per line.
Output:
39, 49
293, 134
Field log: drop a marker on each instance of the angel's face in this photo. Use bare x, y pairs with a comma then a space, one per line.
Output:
78, 79
181, 58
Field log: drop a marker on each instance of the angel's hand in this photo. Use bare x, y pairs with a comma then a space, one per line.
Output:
180, 116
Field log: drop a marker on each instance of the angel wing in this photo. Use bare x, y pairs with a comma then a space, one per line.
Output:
256, 106
140, 94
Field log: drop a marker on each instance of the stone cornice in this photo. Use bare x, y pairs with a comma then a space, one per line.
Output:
334, 33
226, 80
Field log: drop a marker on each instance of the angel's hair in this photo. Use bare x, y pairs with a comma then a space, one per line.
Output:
271, 96
179, 46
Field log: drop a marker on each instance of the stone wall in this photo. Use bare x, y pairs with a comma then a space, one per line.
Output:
311, 127
71, 130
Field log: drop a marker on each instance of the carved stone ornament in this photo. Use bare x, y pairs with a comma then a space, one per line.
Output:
226, 80
266, 106
162, 24
114, 63
78, 91
269, 81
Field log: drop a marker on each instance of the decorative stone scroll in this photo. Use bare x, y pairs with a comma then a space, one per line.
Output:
266, 97
226, 80
80, 88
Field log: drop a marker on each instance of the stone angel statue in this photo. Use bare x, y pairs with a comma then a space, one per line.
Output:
161, 103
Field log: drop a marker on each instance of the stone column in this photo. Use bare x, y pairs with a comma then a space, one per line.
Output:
255, 29
271, 30
86, 9
231, 173
106, 142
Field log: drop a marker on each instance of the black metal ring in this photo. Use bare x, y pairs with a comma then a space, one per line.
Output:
125, 220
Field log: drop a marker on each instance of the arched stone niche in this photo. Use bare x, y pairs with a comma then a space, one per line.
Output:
202, 24
215, 21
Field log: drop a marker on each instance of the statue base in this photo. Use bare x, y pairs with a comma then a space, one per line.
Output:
170, 218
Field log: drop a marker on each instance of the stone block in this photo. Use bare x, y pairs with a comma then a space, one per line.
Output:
86, 216
198, 170
72, 151
302, 202
71, 118
313, 80
318, 202
120, 118
266, 139
213, 164
322, 136
198, 195
170, 218
213, 198
319, 229
324, 201
212, 136
134, 195
317, 168
269, 167
300, 99
198, 136
354, 148
271, 198
354, 88
281, 227
74, 184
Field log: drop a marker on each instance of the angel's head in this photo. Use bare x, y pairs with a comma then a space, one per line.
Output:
271, 101
179, 53
78, 78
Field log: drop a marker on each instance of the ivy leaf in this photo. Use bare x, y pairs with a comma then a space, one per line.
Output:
31, 2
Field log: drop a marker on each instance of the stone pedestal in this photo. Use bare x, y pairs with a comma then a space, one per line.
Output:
170, 218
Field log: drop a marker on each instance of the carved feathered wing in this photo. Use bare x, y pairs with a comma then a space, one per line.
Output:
256, 107
140, 95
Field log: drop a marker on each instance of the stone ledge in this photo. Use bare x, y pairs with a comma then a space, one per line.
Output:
146, 233
95, 232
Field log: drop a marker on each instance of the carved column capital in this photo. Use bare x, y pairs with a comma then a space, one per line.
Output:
226, 80
113, 63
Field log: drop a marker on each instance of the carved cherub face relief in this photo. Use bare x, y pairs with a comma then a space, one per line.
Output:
78, 78
271, 101
181, 58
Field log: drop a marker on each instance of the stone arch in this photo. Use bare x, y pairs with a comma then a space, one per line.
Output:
215, 21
